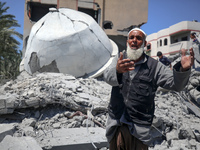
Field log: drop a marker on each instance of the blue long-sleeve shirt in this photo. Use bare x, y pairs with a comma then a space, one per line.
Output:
165, 61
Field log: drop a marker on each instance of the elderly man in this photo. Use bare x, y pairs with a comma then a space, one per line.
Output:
135, 78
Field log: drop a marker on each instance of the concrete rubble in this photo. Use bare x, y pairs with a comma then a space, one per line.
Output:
50, 88
58, 111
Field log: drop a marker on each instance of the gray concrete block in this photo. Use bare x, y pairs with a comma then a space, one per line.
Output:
32, 102
10, 102
2, 101
6, 129
74, 138
19, 143
6, 111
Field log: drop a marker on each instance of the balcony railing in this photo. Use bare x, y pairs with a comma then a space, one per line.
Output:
176, 47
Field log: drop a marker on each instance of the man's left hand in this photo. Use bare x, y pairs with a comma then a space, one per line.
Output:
187, 61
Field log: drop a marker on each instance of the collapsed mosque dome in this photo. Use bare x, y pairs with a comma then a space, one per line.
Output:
68, 41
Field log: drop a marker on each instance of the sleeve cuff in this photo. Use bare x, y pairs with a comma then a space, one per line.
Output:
178, 67
119, 78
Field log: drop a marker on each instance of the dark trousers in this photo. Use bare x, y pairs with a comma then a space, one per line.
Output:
123, 140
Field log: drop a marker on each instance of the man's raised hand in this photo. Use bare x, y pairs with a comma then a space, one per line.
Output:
124, 65
187, 61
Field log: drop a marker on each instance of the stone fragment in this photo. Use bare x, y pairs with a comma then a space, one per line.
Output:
29, 122
19, 143
185, 133
173, 135
6, 129
3, 101
195, 82
197, 135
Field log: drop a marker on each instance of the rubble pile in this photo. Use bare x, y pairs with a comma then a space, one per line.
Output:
59, 111
193, 88
50, 88
175, 126
177, 118
36, 106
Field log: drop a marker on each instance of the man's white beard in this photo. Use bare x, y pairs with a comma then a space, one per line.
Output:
134, 54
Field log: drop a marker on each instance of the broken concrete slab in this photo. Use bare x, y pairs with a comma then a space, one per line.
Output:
74, 138
193, 109
197, 135
19, 143
6, 129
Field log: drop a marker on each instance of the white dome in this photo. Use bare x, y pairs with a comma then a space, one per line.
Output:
67, 41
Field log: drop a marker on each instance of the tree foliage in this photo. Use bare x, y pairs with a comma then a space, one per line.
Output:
10, 56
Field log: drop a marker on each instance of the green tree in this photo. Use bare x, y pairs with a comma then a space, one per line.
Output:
10, 56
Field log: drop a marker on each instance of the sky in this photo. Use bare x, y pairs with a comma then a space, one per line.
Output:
17, 9
161, 13
165, 13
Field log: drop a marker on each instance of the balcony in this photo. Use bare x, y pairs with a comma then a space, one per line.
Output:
176, 47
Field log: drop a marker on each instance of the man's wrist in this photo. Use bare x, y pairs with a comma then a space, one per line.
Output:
119, 77
183, 70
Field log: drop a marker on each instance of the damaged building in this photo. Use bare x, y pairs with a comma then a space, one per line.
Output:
77, 37
115, 17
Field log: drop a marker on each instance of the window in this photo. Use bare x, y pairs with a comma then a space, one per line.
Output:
148, 46
175, 40
36, 11
160, 42
107, 25
148, 49
93, 13
184, 38
165, 41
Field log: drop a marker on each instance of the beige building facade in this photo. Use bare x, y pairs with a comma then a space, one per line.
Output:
171, 40
115, 17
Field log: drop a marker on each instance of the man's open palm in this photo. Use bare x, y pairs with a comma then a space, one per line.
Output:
187, 61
